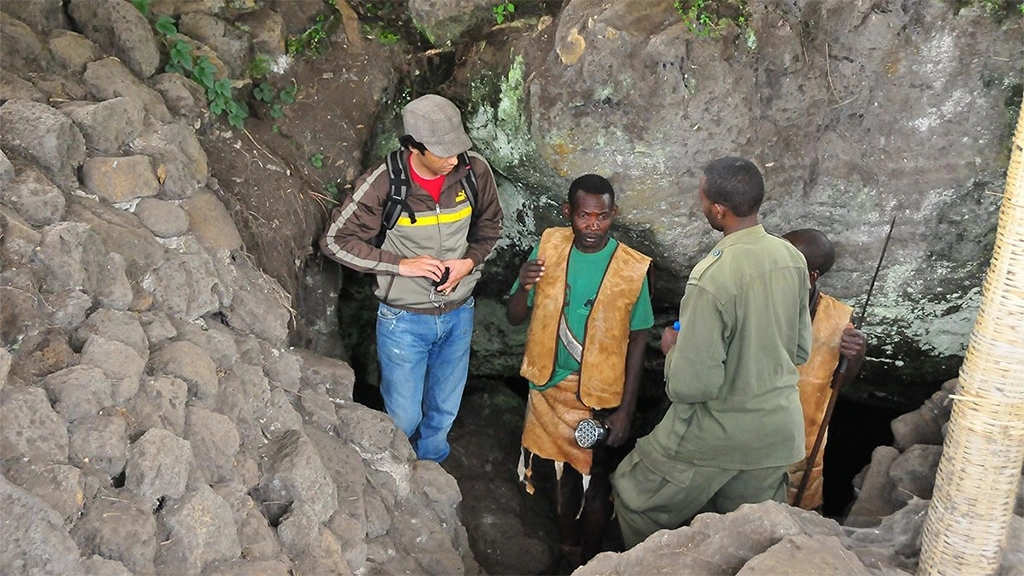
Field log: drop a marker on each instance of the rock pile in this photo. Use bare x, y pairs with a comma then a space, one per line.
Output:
881, 534
154, 418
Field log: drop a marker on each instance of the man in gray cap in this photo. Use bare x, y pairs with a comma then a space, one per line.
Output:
435, 240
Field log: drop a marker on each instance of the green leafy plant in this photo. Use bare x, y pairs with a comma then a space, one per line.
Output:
387, 37
237, 113
142, 6
181, 58
265, 92
503, 11
287, 95
165, 25
379, 33
317, 160
705, 18
202, 71
260, 66
314, 40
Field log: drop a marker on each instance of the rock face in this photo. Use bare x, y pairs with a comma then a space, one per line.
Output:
846, 109
156, 266
155, 419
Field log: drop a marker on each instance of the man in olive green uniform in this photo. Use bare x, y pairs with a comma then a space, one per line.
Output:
735, 422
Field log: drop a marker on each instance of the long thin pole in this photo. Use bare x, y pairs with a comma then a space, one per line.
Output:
838, 379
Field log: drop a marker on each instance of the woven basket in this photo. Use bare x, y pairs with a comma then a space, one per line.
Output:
978, 476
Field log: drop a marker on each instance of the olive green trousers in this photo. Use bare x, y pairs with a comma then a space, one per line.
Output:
646, 501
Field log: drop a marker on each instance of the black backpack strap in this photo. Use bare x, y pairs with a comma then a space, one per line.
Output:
469, 181
398, 182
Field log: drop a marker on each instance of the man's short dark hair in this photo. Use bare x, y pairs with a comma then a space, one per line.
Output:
591, 184
816, 248
734, 183
409, 143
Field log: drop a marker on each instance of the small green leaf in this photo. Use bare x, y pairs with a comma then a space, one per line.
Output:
165, 25
237, 113
264, 92
181, 56
288, 94
276, 111
216, 107
236, 121
275, 128
222, 87
203, 71
142, 6
317, 160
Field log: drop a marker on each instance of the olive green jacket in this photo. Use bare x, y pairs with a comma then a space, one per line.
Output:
731, 377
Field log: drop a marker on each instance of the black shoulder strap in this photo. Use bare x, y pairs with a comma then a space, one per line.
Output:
469, 181
398, 182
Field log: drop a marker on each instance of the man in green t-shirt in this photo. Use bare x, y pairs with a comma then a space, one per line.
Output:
590, 306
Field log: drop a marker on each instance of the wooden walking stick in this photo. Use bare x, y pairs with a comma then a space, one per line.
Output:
838, 379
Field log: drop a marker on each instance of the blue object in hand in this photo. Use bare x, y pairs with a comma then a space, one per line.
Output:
675, 325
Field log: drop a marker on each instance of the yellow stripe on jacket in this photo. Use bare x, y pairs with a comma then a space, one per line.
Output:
434, 219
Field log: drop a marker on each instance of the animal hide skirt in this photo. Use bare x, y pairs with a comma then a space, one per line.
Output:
550, 427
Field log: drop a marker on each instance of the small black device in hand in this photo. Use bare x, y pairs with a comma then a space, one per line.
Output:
444, 277
590, 433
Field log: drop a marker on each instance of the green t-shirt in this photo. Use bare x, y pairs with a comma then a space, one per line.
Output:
582, 283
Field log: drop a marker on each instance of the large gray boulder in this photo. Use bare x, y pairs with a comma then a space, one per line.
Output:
35, 198
120, 29
179, 159
231, 44
444, 22
39, 134
32, 431
293, 474
158, 467
108, 125
21, 47
71, 50
121, 232
186, 285
35, 539
58, 485
41, 15
196, 530
78, 391
132, 540
717, 544
120, 179
108, 78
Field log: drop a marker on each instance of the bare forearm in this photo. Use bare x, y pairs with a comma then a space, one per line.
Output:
634, 369
516, 309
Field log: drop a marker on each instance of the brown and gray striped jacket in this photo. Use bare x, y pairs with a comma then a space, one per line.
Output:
444, 230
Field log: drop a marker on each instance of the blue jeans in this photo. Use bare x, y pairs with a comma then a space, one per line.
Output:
424, 361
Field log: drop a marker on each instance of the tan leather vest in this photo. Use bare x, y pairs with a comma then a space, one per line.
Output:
603, 367
830, 319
